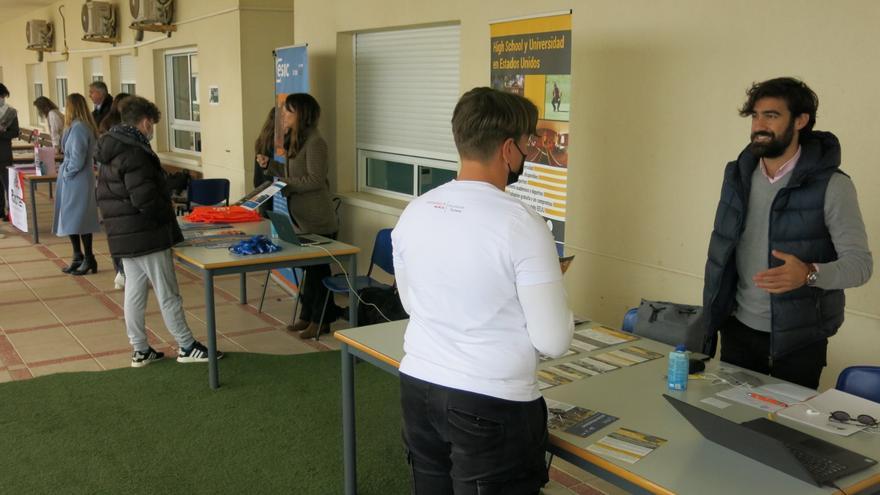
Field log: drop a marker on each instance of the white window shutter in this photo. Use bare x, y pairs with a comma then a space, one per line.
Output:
126, 69
407, 84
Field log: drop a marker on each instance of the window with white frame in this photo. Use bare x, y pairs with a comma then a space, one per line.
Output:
35, 88
126, 71
407, 84
182, 82
58, 76
94, 69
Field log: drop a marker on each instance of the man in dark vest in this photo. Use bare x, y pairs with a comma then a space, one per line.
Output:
788, 238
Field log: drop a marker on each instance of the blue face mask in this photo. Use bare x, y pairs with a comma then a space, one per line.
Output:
513, 177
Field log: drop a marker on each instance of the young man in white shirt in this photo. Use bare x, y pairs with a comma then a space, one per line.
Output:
479, 276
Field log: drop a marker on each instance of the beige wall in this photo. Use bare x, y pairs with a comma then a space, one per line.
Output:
655, 89
234, 39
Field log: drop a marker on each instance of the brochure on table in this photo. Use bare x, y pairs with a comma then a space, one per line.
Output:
260, 195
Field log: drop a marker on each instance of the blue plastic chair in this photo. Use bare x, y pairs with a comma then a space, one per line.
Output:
207, 192
629, 320
381, 257
863, 381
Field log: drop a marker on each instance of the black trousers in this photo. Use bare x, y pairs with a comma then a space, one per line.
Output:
314, 293
465, 443
749, 348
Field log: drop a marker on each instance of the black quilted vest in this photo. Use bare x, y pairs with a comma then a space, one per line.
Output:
797, 226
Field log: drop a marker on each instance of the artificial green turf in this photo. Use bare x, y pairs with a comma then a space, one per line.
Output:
274, 426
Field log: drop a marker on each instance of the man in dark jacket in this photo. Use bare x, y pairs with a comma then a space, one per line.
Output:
788, 238
141, 229
102, 99
8, 131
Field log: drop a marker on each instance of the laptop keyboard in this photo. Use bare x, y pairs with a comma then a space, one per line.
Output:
822, 468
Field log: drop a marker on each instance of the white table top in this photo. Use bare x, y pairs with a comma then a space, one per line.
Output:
687, 463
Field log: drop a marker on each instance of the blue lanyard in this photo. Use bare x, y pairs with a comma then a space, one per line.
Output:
257, 244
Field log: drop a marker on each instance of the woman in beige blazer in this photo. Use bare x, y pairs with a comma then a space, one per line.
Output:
308, 200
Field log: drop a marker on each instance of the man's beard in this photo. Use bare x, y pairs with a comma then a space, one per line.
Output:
773, 148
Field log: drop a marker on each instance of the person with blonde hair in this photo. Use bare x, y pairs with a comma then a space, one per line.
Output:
76, 209
49, 111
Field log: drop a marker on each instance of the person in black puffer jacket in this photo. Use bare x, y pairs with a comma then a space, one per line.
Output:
141, 229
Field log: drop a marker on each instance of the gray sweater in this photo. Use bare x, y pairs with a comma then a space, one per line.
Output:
308, 189
844, 220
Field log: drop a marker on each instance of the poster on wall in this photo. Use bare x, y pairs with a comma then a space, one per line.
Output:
531, 57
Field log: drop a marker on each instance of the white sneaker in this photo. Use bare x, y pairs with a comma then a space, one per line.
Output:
119, 281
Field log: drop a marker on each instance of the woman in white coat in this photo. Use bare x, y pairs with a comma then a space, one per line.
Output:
49, 111
76, 209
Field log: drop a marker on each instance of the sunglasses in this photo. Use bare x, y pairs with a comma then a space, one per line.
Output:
861, 419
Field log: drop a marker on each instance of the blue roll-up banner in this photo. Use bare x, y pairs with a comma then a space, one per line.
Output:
291, 76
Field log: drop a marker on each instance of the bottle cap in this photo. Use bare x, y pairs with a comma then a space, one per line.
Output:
680, 348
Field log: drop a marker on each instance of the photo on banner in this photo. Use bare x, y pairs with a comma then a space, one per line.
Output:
532, 58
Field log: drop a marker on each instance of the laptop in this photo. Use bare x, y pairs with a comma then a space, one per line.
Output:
284, 226
791, 451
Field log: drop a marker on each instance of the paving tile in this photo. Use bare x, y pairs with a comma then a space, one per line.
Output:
80, 309
102, 336
274, 341
45, 344
29, 253
64, 286
115, 361
67, 367
554, 488
235, 318
17, 291
36, 269
14, 241
27, 315
562, 477
7, 273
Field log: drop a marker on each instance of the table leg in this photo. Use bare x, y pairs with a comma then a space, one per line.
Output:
242, 288
213, 372
349, 454
33, 191
352, 299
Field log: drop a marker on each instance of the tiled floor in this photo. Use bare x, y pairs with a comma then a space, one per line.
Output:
51, 322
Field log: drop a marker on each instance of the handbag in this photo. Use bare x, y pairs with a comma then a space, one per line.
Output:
672, 323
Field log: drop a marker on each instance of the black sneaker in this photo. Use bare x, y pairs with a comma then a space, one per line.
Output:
196, 353
140, 359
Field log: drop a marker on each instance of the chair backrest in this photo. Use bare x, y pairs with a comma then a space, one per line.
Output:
208, 192
629, 320
382, 255
863, 381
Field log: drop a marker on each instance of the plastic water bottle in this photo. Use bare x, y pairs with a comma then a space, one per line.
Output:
677, 375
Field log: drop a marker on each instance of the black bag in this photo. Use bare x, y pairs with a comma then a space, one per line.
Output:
177, 182
672, 324
386, 300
